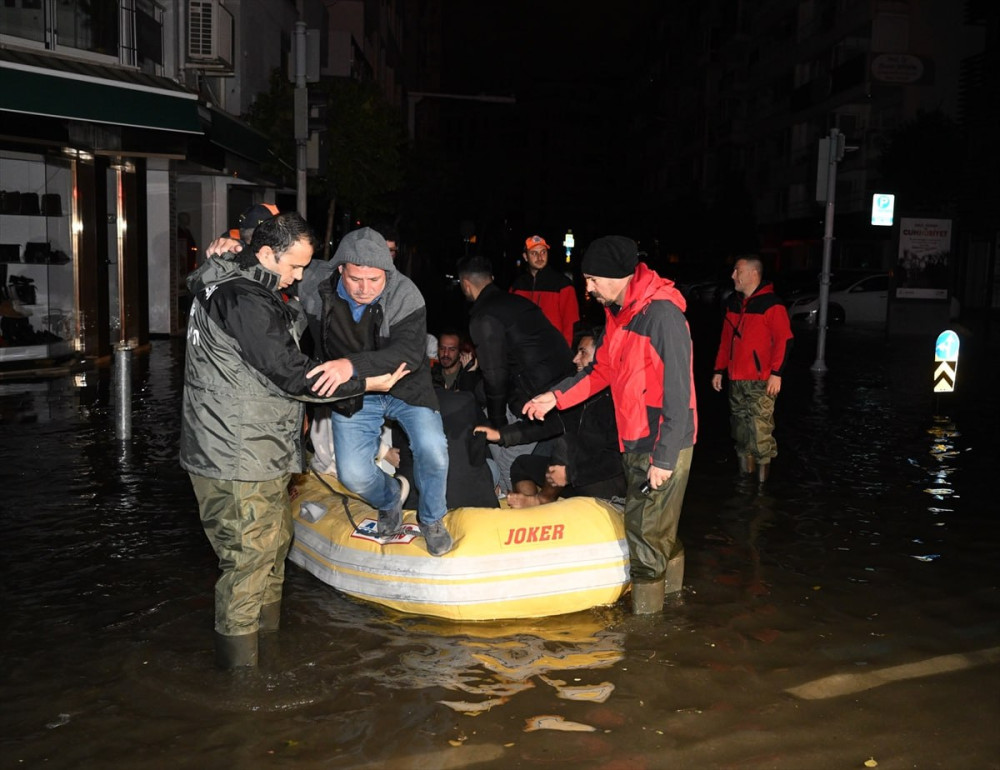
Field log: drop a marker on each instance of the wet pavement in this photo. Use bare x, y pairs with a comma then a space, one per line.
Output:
843, 616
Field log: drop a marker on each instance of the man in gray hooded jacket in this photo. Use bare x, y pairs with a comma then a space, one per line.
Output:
367, 316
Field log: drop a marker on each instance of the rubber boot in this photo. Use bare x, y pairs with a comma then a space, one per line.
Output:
763, 472
748, 464
647, 597
235, 651
270, 617
675, 570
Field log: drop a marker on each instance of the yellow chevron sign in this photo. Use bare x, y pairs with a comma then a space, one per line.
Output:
946, 358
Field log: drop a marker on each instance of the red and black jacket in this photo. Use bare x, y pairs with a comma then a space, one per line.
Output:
756, 336
644, 356
553, 292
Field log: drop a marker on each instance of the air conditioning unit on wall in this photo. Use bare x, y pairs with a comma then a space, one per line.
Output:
209, 36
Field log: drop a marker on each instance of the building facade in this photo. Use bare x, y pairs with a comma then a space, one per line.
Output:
743, 92
123, 151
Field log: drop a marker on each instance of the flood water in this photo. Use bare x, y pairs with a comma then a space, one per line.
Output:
845, 614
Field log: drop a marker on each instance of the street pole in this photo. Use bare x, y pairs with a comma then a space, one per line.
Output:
301, 116
834, 148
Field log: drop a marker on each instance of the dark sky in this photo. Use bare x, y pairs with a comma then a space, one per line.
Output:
494, 47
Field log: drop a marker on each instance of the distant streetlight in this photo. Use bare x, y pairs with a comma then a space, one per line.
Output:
569, 243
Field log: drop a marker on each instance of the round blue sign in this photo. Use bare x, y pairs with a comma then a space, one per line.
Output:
946, 348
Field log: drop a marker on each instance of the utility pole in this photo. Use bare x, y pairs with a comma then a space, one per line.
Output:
301, 106
831, 150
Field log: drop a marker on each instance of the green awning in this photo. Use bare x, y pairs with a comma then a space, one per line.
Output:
233, 135
56, 94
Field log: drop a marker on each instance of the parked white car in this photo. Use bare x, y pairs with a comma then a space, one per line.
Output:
853, 300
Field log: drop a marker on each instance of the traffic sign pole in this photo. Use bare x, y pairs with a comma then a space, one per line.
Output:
833, 147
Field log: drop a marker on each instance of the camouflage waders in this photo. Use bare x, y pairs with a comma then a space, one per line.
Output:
249, 525
751, 418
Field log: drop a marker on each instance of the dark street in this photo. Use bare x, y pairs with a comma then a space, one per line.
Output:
842, 616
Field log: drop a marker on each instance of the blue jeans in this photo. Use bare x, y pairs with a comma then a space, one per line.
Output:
355, 442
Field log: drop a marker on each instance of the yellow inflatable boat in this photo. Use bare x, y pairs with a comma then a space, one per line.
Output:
563, 557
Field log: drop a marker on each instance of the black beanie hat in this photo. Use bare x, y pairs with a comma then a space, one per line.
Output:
613, 256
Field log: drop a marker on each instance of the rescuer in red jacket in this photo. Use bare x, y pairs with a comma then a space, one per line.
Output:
552, 291
756, 340
644, 356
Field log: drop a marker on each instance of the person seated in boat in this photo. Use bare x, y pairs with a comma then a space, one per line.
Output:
585, 461
458, 384
471, 480
520, 353
456, 367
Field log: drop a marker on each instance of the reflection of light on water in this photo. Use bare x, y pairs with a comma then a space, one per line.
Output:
497, 662
526, 657
943, 433
597, 693
553, 722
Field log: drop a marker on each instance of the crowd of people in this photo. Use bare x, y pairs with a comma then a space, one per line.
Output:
293, 360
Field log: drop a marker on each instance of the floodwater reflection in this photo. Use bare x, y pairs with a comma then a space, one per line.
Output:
870, 553
498, 660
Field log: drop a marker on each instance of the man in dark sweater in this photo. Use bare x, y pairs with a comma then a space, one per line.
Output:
520, 353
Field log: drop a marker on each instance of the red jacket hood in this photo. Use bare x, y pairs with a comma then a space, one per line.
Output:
644, 287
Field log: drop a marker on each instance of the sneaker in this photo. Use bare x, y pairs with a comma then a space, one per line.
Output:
391, 521
438, 540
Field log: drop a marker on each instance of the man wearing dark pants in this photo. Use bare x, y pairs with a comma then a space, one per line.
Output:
519, 351
645, 357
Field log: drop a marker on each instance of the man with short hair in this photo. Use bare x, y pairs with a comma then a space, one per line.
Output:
244, 383
645, 357
585, 461
454, 369
552, 291
459, 387
754, 348
366, 315
520, 352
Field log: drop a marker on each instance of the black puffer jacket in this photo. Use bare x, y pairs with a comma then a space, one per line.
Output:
520, 353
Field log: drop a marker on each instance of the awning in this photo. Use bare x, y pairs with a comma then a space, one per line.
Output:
235, 136
33, 90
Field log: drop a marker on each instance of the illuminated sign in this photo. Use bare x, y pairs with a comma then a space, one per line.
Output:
946, 358
569, 243
882, 208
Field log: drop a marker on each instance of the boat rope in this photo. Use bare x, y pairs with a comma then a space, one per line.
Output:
337, 495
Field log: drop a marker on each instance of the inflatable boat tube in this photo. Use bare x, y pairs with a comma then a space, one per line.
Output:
552, 559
